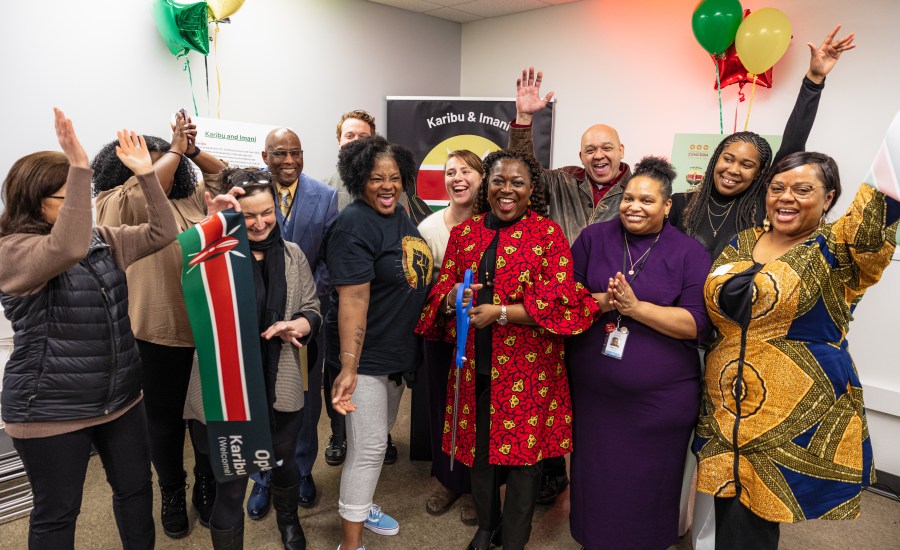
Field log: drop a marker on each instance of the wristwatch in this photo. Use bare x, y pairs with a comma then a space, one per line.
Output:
502, 320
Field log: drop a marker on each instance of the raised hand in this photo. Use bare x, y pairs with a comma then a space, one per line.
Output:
824, 57
68, 141
179, 135
220, 203
132, 151
528, 94
190, 132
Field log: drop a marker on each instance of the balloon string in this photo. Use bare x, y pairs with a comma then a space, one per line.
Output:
736, 104
206, 70
750, 105
719, 88
218, 76
187, 67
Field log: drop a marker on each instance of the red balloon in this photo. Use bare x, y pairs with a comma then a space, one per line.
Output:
732, 71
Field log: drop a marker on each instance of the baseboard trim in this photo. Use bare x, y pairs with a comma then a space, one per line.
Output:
888, 485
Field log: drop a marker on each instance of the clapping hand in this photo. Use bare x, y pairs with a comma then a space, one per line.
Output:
824, 57
621, 295
132, 151
528, 94
289, 331
179, 134
68, 141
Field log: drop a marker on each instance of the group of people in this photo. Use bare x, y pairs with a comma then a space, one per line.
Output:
609, 318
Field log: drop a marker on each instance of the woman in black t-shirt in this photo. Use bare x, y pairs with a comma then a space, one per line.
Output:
381, 269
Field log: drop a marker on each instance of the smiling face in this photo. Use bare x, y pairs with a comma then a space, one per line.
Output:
259, 214
283, 156
601, 153
643, 209
461, 182
353, 129
790, 213
737, 166
509, 188
384, 186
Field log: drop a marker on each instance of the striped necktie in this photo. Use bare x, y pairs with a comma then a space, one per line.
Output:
285, 202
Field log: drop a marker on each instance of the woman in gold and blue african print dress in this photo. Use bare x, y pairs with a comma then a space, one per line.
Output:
782, 434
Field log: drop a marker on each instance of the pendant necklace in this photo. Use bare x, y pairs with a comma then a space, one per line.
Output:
628, 250
723, 215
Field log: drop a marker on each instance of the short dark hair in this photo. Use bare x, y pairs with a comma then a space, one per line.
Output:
538, 194
31, 179
658, 169
109, 172
356, 160
825, 166
231, 175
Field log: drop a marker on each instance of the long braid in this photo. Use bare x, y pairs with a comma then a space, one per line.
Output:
747, 202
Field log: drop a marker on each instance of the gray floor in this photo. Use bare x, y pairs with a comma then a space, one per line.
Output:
402, 492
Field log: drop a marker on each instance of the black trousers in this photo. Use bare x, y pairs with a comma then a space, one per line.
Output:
167, 371
439, 357
737, 528
228, 510
522, 482
56, 468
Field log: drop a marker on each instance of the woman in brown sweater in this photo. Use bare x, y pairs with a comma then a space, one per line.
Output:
73, 379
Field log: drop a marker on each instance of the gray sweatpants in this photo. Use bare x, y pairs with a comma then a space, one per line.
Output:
377, 401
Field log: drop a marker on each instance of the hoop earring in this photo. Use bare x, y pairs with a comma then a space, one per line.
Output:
767, 225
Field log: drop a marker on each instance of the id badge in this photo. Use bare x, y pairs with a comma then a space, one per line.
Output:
615, 343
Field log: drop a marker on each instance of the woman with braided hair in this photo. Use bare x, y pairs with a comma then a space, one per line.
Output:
730, 197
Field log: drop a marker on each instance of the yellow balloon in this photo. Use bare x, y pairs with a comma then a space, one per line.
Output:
762, 39
220, 9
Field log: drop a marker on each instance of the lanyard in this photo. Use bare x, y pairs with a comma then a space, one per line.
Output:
637, 271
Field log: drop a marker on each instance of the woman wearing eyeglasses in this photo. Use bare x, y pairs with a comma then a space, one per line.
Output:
782, 434
287, 311
74, 377
156, 305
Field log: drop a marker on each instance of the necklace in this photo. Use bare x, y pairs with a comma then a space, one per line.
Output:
628, 250
723, 215
720, 205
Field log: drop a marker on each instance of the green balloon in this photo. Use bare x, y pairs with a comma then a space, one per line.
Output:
183, 27
715, 24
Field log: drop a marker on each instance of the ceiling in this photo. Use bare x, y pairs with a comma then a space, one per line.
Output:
465, 11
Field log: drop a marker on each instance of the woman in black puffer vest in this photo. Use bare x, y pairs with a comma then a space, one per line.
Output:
74, 377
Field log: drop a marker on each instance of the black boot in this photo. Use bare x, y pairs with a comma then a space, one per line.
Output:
174, 510
285, 500
485, 540
228, 539
204, 495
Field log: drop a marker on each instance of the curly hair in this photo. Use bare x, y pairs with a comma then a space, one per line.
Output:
109, 172
825, 166
357, 114
356, 160
538, 193
31, 179
747, 202
658, 169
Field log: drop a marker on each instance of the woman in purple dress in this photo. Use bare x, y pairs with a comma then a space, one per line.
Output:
635, 375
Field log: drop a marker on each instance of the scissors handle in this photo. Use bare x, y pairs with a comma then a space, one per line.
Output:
462, 318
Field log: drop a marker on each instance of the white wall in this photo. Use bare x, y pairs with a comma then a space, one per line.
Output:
285, 62
636, 66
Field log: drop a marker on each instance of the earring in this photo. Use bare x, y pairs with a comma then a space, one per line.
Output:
529, 202
767, 225
822, 219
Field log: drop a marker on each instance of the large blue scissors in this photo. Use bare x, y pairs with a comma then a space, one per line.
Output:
462, 335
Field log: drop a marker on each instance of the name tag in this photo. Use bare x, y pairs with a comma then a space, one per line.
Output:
615, 343
721, 270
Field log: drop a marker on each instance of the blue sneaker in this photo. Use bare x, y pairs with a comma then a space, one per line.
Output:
380, 523
259, 503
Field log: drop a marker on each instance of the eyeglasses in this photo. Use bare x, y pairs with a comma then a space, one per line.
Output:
282, 154
800, 192
58, 197
249, 179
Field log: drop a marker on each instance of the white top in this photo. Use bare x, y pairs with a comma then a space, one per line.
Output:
436, 234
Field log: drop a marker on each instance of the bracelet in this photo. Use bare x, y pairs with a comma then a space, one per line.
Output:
351, 355
193, 155
174, 152
448, 309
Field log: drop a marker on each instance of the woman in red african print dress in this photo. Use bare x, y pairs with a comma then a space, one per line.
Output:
514, 404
